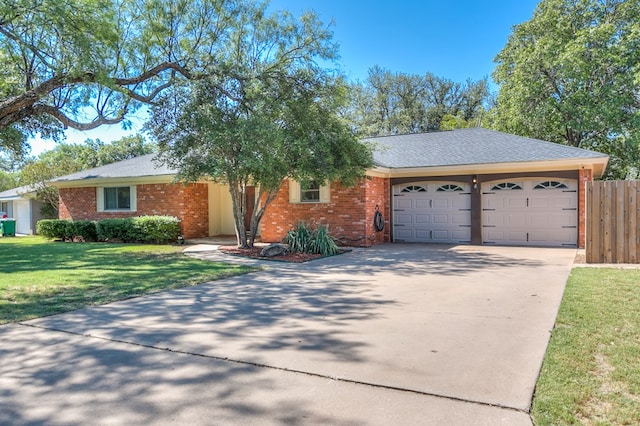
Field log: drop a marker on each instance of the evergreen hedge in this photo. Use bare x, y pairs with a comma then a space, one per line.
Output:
142, 229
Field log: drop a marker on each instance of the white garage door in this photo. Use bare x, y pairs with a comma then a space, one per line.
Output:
542, 212
22, 212
432, 212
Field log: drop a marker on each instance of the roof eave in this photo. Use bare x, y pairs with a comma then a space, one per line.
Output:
91, 182
596, 164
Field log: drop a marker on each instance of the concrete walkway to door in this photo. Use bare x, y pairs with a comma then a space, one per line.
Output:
395, 334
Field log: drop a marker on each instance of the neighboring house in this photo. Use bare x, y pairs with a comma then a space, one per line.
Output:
17, 203
473, 186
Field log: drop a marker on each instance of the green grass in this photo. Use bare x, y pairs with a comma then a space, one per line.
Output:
591, 372
40, 277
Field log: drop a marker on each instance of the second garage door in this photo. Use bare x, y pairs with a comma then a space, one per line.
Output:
432, 212
541, 212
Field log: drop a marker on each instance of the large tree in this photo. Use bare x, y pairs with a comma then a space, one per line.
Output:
394, 102
270, 114
571, 75
85, 63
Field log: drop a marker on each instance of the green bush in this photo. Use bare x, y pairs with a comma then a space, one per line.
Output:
81, 230
156, 229
67, 230
52, 228
115, 230
142, 229
303, 239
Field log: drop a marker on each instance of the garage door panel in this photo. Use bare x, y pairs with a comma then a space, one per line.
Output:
460, 219
515, 203
530, 211
462, 234
422, 219
403, 203
432, 212
461, 202
442, 204
403, 234
421, 204
421, 235
404, 219
439, 219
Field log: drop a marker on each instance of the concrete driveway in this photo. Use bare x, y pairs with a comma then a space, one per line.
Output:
395, 334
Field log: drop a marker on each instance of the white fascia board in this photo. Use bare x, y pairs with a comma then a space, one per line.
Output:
124, 181
596, 164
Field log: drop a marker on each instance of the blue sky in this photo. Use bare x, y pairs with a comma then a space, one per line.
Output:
453, 39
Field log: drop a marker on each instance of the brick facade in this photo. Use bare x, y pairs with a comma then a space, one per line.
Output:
349, 213
584, 176
189, 203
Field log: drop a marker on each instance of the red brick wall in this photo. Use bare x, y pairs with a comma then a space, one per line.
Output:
188, 203
583, 177
349, 213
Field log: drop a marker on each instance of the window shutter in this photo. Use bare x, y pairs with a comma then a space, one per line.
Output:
294, 192
134, 198
325, 193
100, 199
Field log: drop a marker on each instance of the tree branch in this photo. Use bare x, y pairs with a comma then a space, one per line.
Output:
16, 108
68, 122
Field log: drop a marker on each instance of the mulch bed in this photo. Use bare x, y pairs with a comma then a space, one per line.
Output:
254, 253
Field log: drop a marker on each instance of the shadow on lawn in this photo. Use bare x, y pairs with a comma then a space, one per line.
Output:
41, 279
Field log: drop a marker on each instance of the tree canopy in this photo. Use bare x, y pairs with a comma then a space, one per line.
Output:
571, 75
85, 63
394, 102
271, 114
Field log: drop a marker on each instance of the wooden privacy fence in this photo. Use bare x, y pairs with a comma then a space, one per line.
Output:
613, 218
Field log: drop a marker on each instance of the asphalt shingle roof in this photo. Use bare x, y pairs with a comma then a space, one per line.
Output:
445, 148
16, 192
135, 167
467, 147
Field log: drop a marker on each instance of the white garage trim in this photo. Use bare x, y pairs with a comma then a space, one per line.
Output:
533, 211
432, 212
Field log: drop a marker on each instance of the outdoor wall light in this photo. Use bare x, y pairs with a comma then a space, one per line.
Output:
474, 179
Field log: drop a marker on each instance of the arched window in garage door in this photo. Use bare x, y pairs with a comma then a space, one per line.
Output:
414, 188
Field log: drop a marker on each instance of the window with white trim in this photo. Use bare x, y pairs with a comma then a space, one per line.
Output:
116, 198
311, 193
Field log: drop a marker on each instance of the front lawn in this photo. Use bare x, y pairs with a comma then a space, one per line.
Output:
591, 372
39, 277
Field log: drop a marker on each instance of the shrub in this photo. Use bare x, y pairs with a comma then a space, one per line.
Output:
83, 230
115, 229
143, 229
298, 239
156, 229
303, 239
323, 243
52, 228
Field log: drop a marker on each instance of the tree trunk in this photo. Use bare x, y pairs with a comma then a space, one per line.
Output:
263, 199
237, 198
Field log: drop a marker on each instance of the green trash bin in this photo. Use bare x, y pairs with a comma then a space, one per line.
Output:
8, 227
